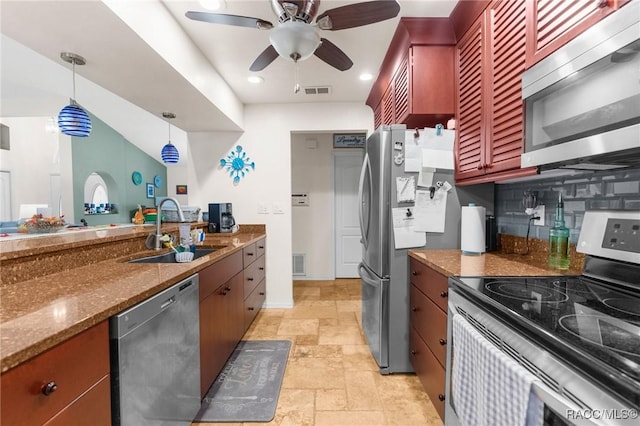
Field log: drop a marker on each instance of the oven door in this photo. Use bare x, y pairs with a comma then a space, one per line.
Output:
567, 397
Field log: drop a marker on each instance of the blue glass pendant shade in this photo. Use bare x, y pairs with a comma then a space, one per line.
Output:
170, 154
74, 121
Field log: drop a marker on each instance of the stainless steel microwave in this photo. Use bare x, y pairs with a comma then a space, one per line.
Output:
582, 102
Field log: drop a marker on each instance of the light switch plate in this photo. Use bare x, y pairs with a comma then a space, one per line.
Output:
263, 209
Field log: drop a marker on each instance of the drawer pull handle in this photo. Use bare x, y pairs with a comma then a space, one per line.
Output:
442, 341
250, 308
249, 254
261, 268
49, 388
414, 273
261, 293
250, 279
441, 397
260, 247
444, 294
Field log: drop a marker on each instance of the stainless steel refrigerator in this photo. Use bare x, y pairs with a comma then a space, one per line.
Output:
383, 270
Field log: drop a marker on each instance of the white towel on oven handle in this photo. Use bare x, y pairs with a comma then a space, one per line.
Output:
489, 388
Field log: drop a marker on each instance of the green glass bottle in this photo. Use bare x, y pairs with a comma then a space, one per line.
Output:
559, 240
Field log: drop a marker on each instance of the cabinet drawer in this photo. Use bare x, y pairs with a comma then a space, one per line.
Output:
430, 323
94, 405
428, 370
430, 282
212, 277
253, 275
74, 365
261, 247
249, 254
254, 302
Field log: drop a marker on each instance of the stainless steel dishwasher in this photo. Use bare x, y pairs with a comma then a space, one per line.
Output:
155, 359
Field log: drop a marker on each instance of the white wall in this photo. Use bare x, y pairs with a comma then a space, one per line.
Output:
34, 156
267, 141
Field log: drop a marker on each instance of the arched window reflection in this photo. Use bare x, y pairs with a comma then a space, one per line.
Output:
96, 195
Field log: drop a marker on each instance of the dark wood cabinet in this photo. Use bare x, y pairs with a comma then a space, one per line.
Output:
232, 292
428, 329
489, 63
416, 82
77, 372
221, 315
551, 24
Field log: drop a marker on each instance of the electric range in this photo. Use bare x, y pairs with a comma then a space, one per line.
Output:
579, 334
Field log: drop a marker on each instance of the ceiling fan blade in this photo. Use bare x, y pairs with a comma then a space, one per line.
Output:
358, 14
238, 21
267, 56
332, 55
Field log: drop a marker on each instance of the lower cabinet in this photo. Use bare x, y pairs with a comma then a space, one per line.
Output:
65, 385
428, 330
232, 292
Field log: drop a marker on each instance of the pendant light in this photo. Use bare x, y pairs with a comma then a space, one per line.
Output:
169, 152
72, 119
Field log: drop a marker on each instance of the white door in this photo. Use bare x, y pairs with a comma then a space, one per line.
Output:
348, 251
5, 197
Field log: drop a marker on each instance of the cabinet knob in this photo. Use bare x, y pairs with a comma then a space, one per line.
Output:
414, 273
441, 397
249, 278
250, 308
261, 293
224, 292
444, 294
414, 352
49, 388
227, 288
480, 166
414, 309
442, 341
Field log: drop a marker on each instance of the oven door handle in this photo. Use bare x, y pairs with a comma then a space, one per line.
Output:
562, 406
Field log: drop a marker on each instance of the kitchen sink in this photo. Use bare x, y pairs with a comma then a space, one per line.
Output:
171, 256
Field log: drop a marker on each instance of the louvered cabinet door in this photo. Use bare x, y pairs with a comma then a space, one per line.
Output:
377, 116
401, 90
388, 113
471, 96
506, 31
552, 23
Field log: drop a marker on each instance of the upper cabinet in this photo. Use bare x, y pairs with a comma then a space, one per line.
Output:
552, 23
490, 59
416, 82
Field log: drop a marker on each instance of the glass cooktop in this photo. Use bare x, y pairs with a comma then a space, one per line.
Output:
589, 317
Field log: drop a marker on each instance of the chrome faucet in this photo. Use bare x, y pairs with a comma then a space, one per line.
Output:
158, 235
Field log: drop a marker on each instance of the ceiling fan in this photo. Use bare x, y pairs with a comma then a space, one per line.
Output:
296, 38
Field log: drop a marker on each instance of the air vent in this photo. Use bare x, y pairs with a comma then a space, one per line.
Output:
299, 264
319, 90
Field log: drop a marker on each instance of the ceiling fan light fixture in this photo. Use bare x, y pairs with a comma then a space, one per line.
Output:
294, 40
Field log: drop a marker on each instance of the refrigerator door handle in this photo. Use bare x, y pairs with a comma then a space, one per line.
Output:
364, 229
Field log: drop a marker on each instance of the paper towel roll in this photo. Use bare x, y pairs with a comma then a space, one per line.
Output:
472, 235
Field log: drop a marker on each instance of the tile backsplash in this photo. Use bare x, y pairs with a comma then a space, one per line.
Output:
581, 192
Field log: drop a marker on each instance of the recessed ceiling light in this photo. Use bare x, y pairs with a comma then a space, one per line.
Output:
212, 4
255, 79
365, 76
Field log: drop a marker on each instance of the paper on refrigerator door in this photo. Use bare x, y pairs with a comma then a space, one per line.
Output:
405, 189
430, 213
404, 235
425, 176
412, 152
437, 149
437, 158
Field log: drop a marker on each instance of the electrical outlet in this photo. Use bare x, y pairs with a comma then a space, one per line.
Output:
539, 211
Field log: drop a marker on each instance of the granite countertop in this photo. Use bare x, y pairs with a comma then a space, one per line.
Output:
39, 313
453, 262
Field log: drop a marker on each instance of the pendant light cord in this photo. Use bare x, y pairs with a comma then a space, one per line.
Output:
73, 67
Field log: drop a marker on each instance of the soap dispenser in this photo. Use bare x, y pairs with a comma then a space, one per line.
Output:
559, 240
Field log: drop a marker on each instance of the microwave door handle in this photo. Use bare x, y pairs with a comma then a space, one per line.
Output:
364, 229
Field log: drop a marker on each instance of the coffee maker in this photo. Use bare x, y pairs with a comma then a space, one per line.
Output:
221, 217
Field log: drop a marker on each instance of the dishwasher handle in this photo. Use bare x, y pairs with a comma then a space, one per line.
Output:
168, 302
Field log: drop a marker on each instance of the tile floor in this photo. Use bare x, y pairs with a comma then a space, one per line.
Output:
331, 377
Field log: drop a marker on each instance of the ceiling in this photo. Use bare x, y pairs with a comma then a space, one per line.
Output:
160, 65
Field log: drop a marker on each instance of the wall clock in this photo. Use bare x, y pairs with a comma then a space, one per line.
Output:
237, 163
136, 177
